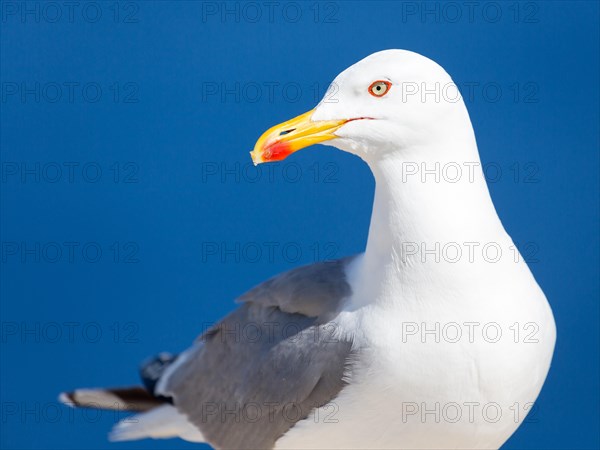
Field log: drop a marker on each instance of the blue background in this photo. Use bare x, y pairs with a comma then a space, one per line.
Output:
176, 181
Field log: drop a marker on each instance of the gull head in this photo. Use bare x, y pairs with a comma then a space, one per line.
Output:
389, 101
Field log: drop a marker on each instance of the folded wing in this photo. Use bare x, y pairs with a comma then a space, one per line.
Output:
269, 363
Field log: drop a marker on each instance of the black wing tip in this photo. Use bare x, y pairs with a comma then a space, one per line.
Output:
153, 368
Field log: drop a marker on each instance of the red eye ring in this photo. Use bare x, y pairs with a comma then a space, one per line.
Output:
379, 88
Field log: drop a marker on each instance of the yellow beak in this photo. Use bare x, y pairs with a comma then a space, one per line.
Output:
284, 139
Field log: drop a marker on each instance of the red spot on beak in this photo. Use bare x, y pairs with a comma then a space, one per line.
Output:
277, 151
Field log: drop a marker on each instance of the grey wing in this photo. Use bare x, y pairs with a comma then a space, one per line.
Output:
315, 290
269, 363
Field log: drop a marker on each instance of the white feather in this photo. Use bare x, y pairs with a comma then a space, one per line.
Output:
162, 422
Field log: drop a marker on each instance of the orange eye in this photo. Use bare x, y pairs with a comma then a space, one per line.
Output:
379, 88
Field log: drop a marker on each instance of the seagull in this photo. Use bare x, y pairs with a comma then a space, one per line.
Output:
437, 336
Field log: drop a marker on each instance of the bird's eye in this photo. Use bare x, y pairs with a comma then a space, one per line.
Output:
379, 88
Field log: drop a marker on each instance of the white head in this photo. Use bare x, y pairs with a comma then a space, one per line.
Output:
403, 115
391, 101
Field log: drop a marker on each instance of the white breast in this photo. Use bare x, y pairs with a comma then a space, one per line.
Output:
438, 377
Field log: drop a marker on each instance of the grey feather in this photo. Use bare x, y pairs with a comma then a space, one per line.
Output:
314, 290
269, 363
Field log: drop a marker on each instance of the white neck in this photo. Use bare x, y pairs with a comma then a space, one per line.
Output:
427, 201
